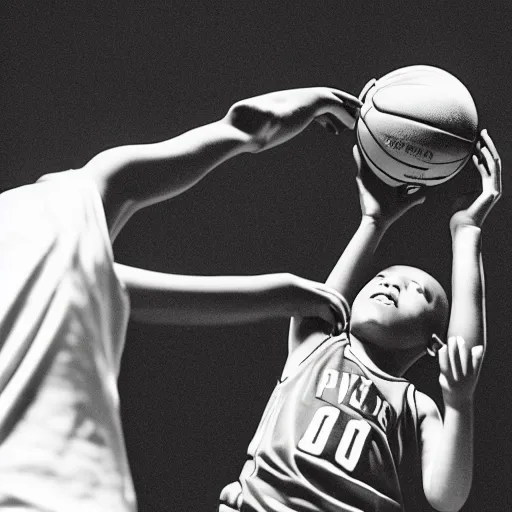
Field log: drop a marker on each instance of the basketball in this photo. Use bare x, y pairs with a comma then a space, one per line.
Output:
418, 125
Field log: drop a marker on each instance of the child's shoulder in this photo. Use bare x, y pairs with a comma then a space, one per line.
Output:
425, 406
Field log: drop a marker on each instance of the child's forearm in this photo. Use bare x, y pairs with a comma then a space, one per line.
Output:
353, 266
452, 468
467, 317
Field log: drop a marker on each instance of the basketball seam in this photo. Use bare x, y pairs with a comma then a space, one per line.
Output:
377, 166
405, 163
444, 177
425, 69
395, 84
404, 116
384, 150
457, 169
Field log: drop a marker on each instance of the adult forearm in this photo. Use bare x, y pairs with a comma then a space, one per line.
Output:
354, 264
158, 171
452, 469
132, 177
467, 317
209, 300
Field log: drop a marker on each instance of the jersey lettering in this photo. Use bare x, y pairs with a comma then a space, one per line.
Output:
356, 391
352, 440
351, 444
315, 438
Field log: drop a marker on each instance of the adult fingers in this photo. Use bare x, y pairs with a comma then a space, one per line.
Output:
343, 108
347, 98
337, 309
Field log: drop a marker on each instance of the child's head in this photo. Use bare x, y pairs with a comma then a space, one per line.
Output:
400, 308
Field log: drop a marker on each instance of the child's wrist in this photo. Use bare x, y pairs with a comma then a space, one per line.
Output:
461, 221
459, 404
378, 223
464, 234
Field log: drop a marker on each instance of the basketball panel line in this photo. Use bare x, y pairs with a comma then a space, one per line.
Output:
444, 177
377, 166
409, 118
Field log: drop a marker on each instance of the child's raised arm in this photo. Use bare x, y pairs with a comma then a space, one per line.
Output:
448, 447
381, 205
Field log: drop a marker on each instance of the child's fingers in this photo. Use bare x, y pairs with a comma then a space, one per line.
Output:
489, 162
357, 156
444, 362
479, 166
453, 354
464, 356
416, 197
477, 356
483, 161
490, 144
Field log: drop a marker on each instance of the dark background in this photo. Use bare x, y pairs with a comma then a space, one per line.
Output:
78, 78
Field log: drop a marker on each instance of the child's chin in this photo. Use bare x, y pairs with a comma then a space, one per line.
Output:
380, 335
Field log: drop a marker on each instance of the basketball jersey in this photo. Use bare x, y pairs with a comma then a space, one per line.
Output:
63, 318
330, 439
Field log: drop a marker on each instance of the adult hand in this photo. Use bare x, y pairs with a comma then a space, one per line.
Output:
312, 299
274, 118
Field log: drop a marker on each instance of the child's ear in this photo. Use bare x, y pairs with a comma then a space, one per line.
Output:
434, 345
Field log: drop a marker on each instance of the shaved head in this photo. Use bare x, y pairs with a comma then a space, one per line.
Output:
401, 307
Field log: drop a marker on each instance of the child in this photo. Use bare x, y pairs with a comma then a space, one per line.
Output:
64, 310
342, 417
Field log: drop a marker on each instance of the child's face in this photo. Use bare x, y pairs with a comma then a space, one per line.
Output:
399, 308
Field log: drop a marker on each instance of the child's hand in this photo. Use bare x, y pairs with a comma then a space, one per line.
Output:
459, 371
488, 163
382, 203
274, 118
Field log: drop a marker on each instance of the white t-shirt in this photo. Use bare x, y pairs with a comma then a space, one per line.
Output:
63, 317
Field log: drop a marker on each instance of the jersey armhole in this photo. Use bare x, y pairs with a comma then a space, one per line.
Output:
79, 176
305, 351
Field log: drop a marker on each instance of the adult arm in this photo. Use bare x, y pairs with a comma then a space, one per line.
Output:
213, 300
132, 177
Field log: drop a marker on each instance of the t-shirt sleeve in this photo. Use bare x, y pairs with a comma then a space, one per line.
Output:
77, 187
